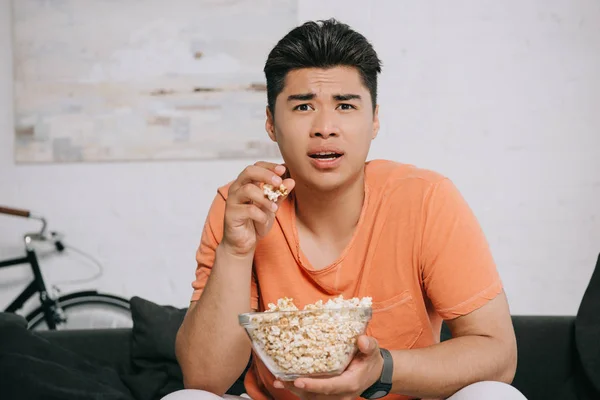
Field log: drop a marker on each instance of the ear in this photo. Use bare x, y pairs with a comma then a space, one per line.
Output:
375, 122
270, 125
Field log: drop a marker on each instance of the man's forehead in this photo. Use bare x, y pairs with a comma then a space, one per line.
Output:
325, 81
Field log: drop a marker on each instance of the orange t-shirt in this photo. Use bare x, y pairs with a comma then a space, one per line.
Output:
417, 250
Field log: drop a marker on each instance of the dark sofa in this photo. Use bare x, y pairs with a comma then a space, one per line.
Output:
546, 352
559, 356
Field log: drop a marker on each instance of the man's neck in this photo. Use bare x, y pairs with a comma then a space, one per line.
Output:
330, 214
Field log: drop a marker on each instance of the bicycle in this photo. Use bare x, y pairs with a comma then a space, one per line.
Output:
79, 310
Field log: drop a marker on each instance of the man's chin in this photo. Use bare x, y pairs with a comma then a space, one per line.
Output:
324, 181
327, 182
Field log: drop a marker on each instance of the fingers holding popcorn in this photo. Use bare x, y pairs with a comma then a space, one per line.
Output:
249, 213
252, 194
276, 190
260, 172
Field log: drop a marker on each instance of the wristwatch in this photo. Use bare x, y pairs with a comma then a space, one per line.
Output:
383, 386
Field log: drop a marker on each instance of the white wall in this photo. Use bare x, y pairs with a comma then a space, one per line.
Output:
503, 97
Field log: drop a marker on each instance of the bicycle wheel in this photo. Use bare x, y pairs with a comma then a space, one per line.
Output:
87, 310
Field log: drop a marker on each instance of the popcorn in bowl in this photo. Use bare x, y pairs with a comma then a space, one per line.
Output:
317, 341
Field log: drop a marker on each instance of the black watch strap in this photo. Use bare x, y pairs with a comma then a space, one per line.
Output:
388, 367
383, 386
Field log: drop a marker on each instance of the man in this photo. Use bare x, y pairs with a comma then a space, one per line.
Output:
394, 232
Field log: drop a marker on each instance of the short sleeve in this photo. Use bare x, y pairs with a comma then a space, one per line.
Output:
212, 234
458, 270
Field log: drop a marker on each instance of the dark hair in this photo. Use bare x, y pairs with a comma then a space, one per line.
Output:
321, 44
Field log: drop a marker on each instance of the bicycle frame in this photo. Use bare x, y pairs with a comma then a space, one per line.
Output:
37, 285
53, 309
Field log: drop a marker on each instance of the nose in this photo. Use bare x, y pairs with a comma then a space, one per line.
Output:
324, 125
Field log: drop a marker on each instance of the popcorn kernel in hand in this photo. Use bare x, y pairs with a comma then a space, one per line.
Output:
274, 194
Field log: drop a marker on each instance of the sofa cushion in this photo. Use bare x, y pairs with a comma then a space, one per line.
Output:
154, 331
155, 371
587, 331
545, 355
11, 319
108, 347
31, 367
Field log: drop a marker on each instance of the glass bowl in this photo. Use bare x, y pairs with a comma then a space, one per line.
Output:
306, 343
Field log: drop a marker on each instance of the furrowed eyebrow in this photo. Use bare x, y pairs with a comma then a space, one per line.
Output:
346, 97
301, 97
311, 96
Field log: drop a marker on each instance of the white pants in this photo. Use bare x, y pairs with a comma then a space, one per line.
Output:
477, 391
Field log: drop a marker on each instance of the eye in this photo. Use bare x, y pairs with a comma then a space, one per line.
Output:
346, 107
303, 107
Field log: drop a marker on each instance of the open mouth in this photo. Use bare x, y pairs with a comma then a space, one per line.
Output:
325, 155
